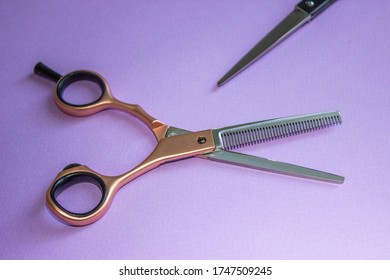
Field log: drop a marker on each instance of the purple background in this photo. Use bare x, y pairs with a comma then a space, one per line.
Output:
167, 56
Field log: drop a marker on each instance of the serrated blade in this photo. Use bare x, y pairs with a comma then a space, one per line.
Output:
233, 137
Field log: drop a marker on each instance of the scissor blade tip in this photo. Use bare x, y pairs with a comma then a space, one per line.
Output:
223, 80
336, 179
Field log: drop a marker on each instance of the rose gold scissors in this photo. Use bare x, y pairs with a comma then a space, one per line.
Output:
173, 144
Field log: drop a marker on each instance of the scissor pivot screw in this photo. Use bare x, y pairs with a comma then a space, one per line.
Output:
202, 140
310, 3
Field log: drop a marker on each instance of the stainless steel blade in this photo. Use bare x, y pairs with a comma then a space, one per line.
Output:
233, 137
273, 166
284, 29
257, 132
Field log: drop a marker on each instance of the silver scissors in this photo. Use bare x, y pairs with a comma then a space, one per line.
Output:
304, 11
172, 144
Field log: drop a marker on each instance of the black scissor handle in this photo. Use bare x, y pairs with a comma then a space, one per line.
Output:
71, 176
104, 101
75, 77
63, 82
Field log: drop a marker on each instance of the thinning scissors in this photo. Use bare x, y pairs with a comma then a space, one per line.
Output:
173, 144
304, 11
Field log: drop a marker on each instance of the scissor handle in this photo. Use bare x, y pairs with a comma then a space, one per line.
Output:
104, 101
168, 149
72, 175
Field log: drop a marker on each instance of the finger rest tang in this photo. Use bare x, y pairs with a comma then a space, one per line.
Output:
42, 70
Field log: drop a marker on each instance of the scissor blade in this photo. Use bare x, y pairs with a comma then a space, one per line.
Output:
283, 30
273, 166
263, 163
233, 137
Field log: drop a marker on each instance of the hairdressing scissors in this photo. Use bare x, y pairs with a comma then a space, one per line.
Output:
173, 144
304, 11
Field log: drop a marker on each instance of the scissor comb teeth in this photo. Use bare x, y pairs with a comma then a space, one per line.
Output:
255, 133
